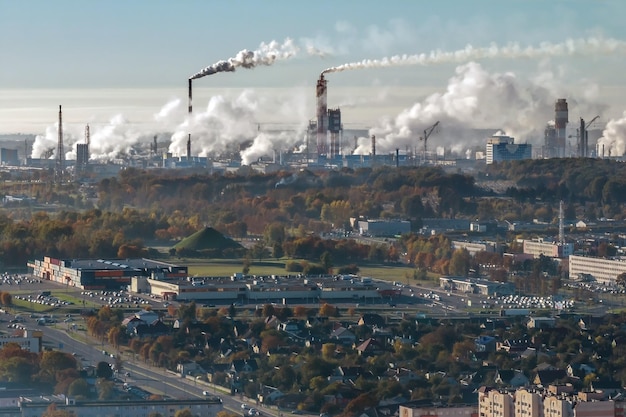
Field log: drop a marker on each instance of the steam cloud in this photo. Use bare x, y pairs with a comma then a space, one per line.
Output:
229, 124
613, 140
511, 51
266, 55
473, 99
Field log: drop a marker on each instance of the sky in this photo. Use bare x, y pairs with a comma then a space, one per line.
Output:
122, 66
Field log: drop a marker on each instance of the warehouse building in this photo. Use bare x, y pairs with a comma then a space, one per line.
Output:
98, 274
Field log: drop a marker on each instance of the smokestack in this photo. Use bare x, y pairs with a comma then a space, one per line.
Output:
581, 139
189, 137
60, 168
560, 123
322, 114
397, 157
373, 146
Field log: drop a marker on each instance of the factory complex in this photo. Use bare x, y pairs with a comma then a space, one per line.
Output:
323, 144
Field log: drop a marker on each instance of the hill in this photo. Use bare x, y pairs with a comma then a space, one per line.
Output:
206, 239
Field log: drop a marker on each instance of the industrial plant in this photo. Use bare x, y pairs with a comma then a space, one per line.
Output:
440, 138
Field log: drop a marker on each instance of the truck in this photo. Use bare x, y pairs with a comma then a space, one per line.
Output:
514, 312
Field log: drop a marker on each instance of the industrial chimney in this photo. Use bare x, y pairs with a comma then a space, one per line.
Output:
322, 115
60, 163
560, 123
189, 137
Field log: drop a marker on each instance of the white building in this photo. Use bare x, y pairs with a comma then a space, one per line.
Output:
384, 227
30, 340
538, 247
602, 270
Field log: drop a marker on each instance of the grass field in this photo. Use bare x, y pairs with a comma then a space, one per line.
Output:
397, 273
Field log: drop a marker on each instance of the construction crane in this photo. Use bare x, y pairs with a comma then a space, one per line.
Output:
582, 136
427, 132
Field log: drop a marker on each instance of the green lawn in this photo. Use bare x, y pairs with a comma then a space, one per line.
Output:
277, 267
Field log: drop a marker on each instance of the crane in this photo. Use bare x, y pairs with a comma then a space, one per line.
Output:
583, 137
427, 132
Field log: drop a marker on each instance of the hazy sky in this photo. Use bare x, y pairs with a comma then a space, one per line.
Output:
101, 59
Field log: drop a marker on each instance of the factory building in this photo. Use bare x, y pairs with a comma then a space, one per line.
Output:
604, 271
503, 148
259, 290
474, 247
8, 156
384, 227
96, 274
539, 248
29, 341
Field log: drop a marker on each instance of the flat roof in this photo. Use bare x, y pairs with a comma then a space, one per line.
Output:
136, 264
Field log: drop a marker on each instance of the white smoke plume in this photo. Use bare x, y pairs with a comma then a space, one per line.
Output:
231, 124
473, 99
266, 55
613, 140
112, 140
594, 45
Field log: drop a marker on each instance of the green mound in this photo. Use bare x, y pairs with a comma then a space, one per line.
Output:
206, 239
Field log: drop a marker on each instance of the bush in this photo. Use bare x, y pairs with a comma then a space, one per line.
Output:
293, 266
348, 269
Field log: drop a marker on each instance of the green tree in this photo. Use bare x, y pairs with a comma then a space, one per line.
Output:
105, 388
79, 388
103, 370
327, 262
460, 262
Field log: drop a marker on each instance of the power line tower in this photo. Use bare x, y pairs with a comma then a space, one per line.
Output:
59, 172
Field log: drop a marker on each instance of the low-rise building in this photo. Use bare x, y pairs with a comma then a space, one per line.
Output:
602, 270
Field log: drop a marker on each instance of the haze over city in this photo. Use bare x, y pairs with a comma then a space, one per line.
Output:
393, 69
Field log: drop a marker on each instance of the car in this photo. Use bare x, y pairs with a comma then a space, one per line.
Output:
244, 406
253, 412
127, 374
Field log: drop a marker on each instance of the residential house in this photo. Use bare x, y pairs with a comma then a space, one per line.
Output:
541, 322
371, 347
372, 320
511, 378
549, 377
343, 336
485, 344
579, 370
345, 374
154, 329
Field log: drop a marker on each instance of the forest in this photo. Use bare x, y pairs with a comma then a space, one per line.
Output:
117, 216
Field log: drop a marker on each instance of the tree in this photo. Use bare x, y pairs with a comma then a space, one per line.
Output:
327, 262
621, 279
79, 388
6, 298
106, 389
460, 263
103, 370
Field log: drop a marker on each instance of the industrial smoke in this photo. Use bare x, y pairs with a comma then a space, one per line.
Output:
266, 55
510, 51
473, 99
613, 140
